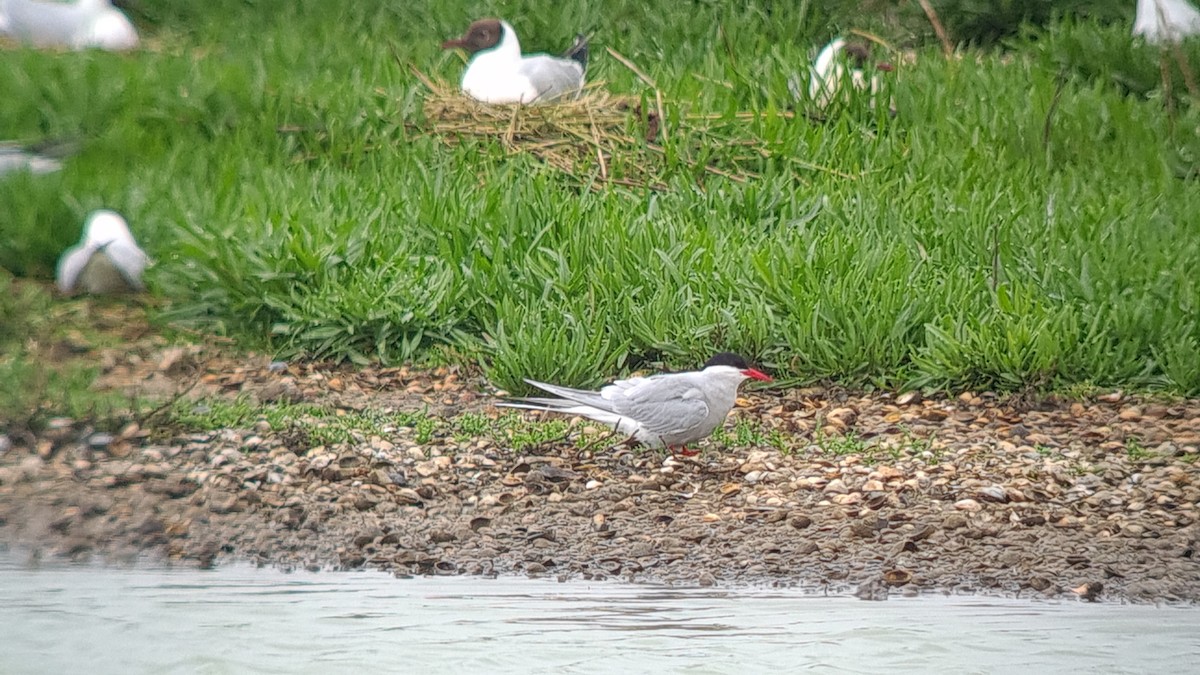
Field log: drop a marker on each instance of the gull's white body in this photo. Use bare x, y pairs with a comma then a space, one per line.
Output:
81, 24
503, 75
108, 260
829, 73
1166, 20
669, 410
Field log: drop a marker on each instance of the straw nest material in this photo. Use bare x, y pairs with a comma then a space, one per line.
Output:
597, 138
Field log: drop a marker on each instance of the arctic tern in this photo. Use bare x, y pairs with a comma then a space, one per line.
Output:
669, 410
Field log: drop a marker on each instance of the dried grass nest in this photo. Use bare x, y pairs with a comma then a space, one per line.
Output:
598, 138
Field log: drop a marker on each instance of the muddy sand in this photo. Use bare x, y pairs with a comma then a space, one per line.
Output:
871, 494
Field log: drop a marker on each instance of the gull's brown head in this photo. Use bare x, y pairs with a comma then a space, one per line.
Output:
481, 35
860, 54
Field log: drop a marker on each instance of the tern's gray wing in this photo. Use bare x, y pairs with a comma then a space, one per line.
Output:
552, 77
550, 404
71, 264
571, 396
667, 405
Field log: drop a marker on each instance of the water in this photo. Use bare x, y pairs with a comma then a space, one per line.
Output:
237, 619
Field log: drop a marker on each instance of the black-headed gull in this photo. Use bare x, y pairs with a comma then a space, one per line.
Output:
669, 410
499, 73
108, 260
827, 79
81, 24
1166, 20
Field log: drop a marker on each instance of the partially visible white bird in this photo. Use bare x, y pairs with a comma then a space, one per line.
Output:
499, 73
15, 156
1166, 20
108, 260
81, 24
669, 410
827, 79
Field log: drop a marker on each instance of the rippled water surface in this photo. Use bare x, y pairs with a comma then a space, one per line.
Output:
237, 619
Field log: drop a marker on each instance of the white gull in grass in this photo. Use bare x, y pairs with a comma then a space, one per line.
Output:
108, 260
499, 73
81, 24
827, 78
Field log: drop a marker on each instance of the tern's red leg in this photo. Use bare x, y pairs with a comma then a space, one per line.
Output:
682, 451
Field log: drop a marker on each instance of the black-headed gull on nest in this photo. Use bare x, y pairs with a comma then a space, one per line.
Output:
499, 73
827, 80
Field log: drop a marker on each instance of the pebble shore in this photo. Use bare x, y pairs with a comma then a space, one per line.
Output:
868, 494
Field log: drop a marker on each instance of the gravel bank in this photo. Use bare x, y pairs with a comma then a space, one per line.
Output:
866, 494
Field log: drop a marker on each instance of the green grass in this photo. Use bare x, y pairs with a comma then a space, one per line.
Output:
35, 332
269, 162
753, 435
1135, 449
320, 425
748, 434
841, 445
